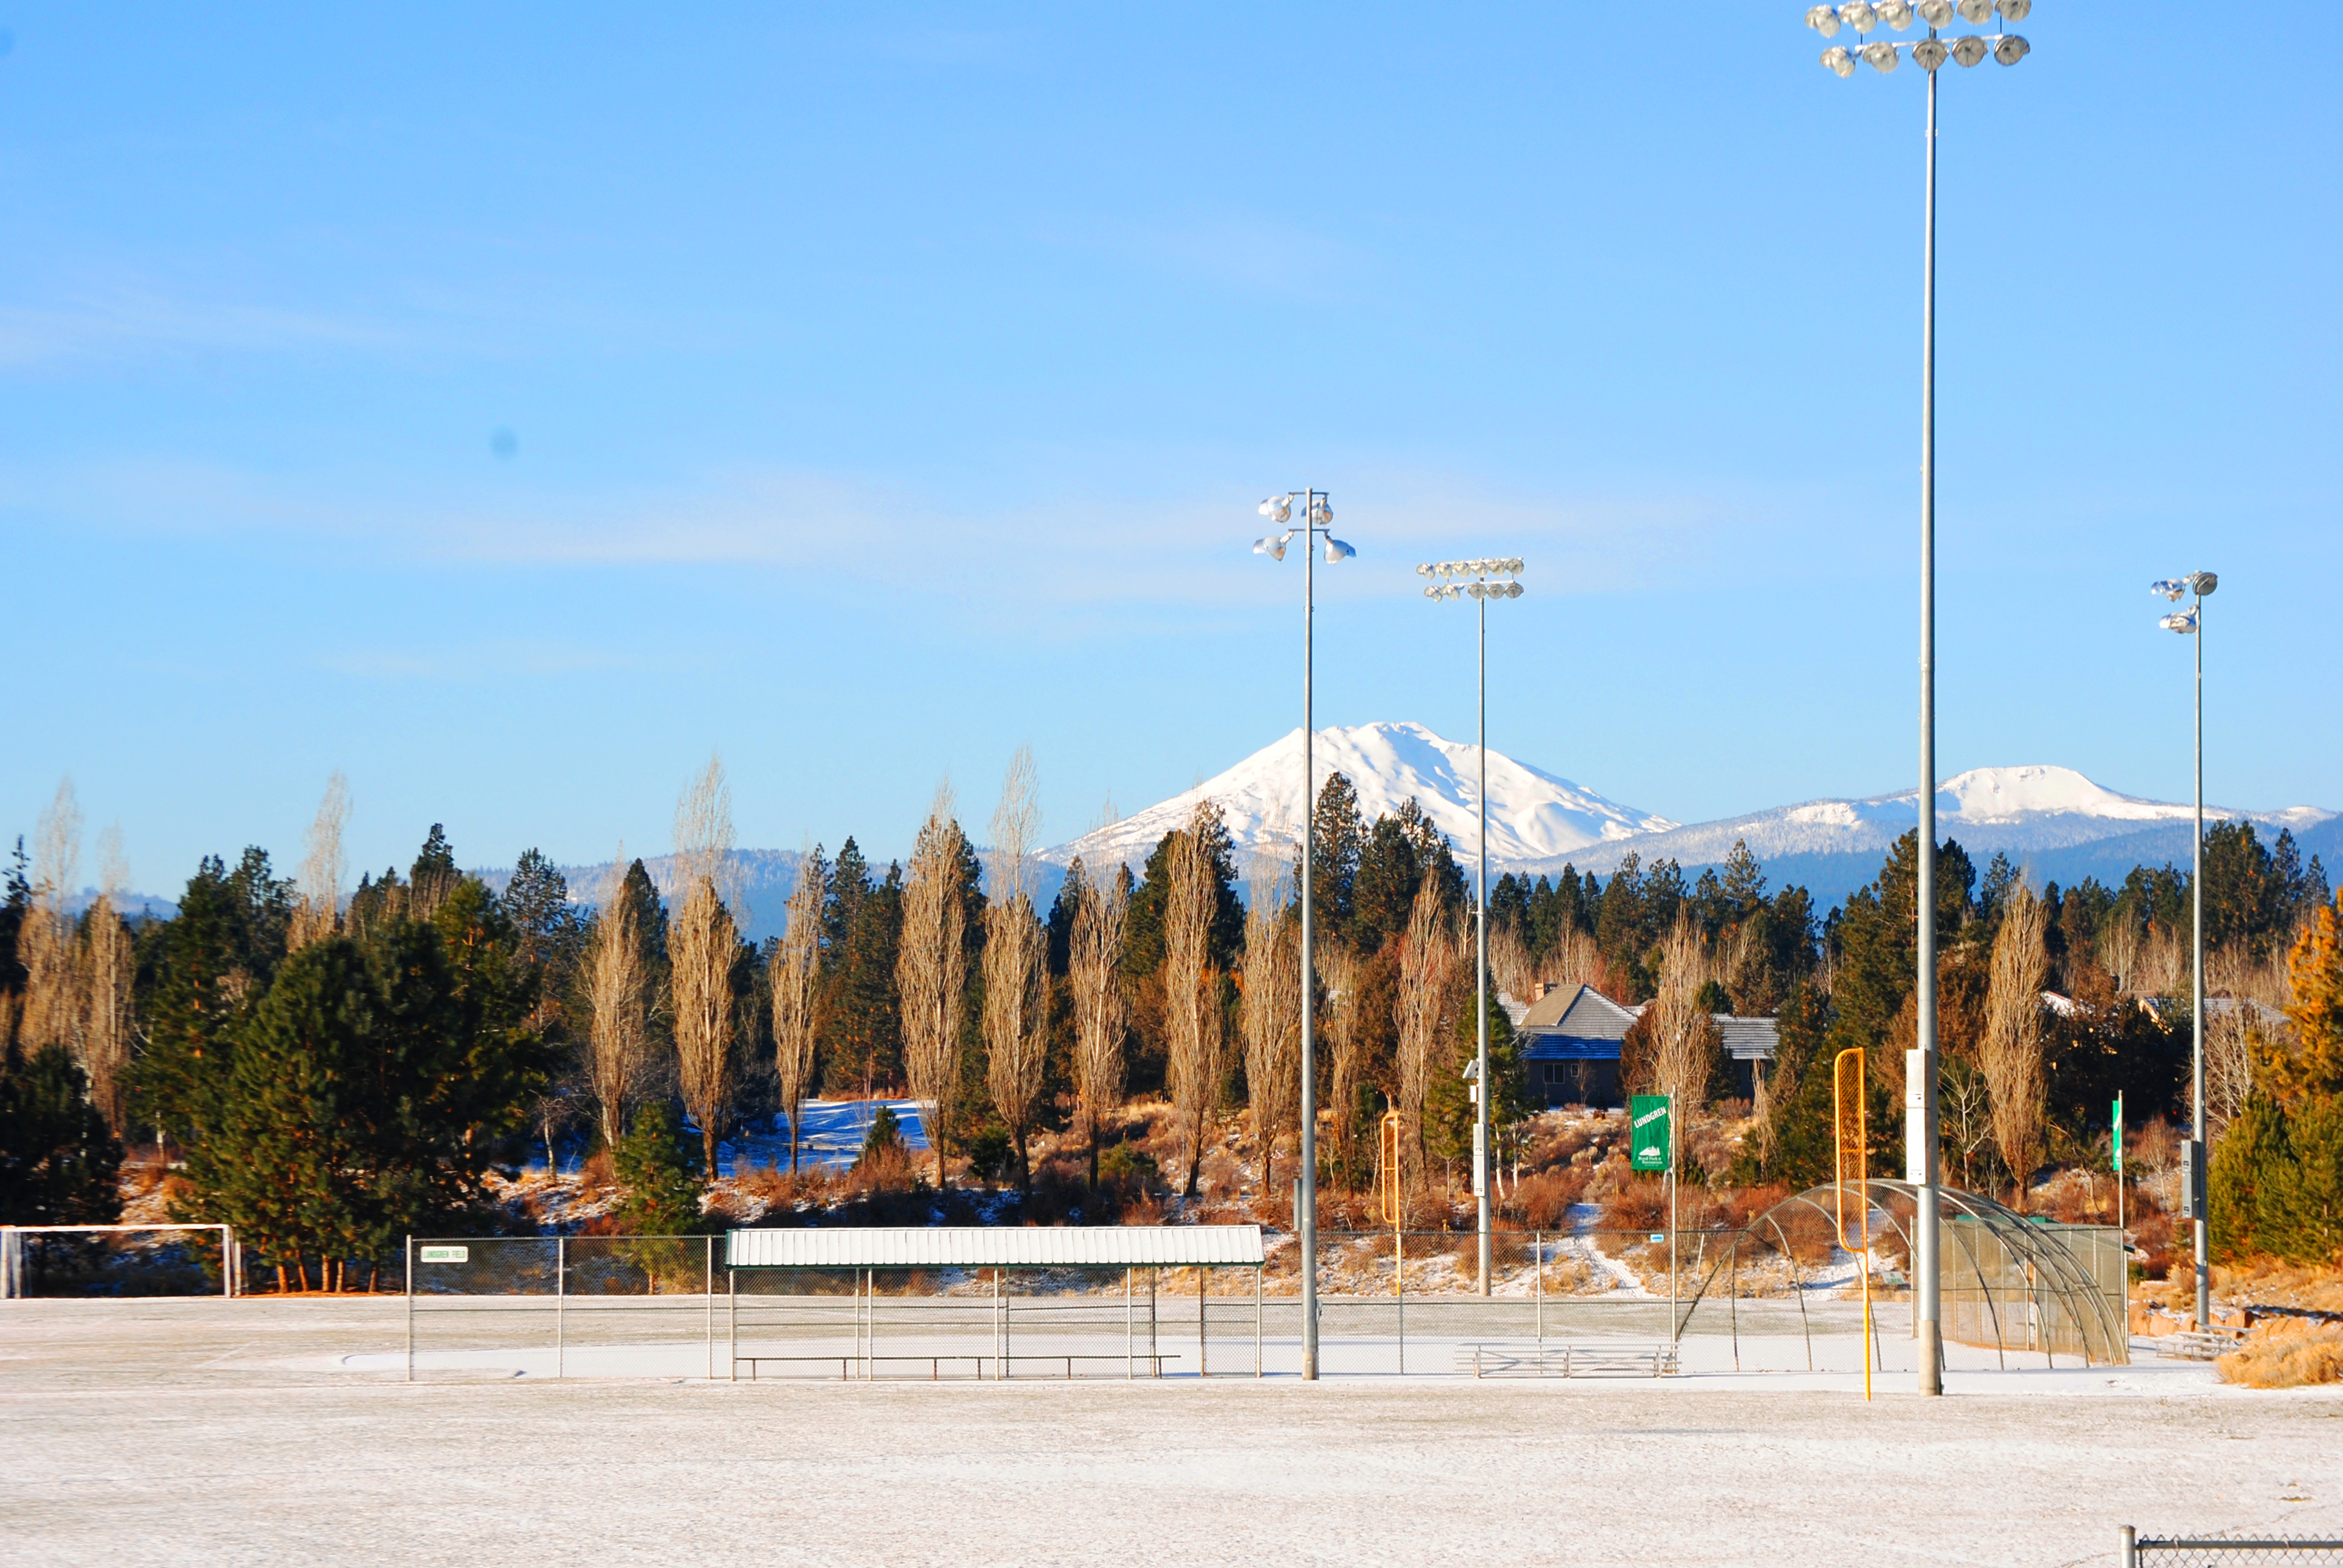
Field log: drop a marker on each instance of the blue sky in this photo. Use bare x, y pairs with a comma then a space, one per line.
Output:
888, 387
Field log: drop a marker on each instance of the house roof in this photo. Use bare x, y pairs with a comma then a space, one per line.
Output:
1565, 1025
1581, 1014
997, 1247
1748, 1039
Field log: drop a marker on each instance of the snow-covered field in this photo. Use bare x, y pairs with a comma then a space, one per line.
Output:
282, 1431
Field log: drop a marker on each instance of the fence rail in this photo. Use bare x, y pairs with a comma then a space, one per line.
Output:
2223, 1551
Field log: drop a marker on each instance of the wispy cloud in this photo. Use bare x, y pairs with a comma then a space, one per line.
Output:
124, 323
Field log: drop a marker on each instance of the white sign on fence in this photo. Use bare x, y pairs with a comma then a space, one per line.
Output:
444, 1254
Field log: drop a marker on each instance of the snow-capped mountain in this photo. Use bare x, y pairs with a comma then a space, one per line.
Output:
1533, 814
2021, 811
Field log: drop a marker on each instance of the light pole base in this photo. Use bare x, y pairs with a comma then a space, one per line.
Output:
1932, 1357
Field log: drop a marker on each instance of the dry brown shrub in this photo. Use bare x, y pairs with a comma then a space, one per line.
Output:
1639, 1205
599, 1174
2287, 1353
1542, 1201
2316, 1287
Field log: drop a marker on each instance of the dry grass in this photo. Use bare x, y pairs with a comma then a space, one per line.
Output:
2269, 1283
2290, 1353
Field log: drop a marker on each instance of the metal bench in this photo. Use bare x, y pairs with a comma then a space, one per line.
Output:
1596, 1359
2199, 1344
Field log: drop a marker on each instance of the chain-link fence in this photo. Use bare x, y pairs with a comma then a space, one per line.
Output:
1558, 1304
2221, 1551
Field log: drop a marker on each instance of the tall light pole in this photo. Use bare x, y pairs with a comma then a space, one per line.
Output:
1317, 518
1492, 579
2191, 622
1920, 1063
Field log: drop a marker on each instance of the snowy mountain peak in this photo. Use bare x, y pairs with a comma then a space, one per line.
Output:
1533, 814
2013, 794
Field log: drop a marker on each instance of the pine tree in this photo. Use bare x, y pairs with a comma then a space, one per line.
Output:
59, 1165
1340, 836
661, 1171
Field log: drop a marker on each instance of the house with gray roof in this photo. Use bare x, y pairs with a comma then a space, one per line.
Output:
1571, 1037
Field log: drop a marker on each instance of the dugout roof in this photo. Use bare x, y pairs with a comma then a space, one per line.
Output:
987, 1247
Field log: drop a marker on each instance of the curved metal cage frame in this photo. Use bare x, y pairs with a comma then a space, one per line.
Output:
2010, 1283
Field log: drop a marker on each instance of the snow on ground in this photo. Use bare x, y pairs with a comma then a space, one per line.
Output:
201, 1431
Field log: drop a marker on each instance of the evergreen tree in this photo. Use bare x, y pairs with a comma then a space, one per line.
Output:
208, 966
1060, 926
536, 899
1402, 848
1339, 836
59, 1165
661, 1171
17, 903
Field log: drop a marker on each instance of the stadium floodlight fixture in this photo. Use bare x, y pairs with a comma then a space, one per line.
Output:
2190, 623
1930, 52
1317, 516
1480, 579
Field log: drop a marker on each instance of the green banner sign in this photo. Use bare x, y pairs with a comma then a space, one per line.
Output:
1647, 1135
2114, 1142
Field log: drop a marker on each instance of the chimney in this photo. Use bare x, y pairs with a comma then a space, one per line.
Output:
1537, 991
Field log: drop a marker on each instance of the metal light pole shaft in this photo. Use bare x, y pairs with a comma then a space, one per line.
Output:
1925, 1259
1481, 1056
2197, 1002
1306, 1218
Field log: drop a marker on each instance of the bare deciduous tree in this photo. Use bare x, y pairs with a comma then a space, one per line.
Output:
315, 917
1015, 980
1101, 1011
2010, 1054
108, 967
795, 970
54, 1010
1429, 955
1191, 985
617, 1000
1510, 969
931, 967
1683, 1037
703, 943
1270, 1009
1339, 967
1573, 961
